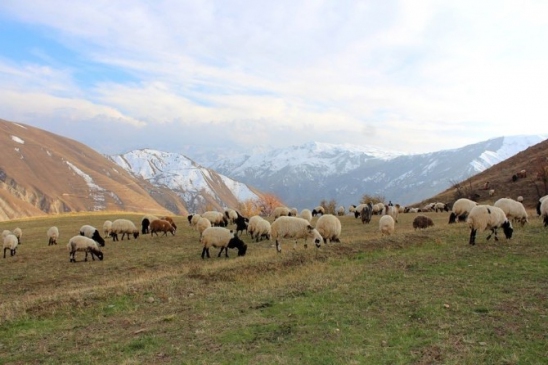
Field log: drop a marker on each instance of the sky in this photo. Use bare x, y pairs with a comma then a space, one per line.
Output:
413, 76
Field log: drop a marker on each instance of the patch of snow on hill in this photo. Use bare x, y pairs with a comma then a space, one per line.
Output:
17, 139
96, 192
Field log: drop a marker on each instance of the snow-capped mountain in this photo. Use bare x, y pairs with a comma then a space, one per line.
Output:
196, 185
302, 176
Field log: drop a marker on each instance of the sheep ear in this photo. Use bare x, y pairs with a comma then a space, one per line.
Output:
488, 210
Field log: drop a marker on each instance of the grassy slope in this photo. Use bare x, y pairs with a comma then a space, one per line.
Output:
417, 297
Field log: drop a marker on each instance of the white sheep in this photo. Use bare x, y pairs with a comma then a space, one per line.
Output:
202, 225
378, 208
318, 210
53, 235
487, 217
544, 211
223, 238
252, 224
280, 212
440, 207
193, 219
392, 211
413, 210
358, 210
341, 211
306, 214
263, 228
461, 209
520, 198
107, 227
17, 232
491, 192
293, 212
329, 227
513, 209
10, 243
231, 214
83, 244
5, 233
125, 227
386, 225
351, 208
296, 228
92, 232
540, 201
216, 218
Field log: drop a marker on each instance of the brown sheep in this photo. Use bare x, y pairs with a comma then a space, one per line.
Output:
159, 225
422, 222
170, 220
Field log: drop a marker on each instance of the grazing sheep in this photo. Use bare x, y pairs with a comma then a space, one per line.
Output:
484, 217
440, 207
513, 209
202, 225
422, 222
392, 211
223, 238
92, 232
5, 233
294, 227
53, 235
544, 211
160, 225
413, 210
10, 243
231, 214
378, 208
170, 220
358, 210
293, 212
306, 214
262, 229
107, 227
352, 208
193, 219
319, 210
386, 225
217, 219
123, 227
280, 212
83, 244
461, 209
145, 223
329, 227
539, 203
366, 213
252, 224
341, 211
428, 207
17, 232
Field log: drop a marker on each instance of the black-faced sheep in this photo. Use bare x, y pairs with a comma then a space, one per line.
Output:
223, 238
329, 227
306, 214
319, 210
193, 219
10, 243
53, 235
293, 212
17, 232
83, 244
241, 223
231, 214
487, 217
358, 210
160, 225
366, 213
440, 207
92, 232
145, 223
217, 219
422, 222
387, 225
539, 203
461, 209
125, 227
296, 228
513, 209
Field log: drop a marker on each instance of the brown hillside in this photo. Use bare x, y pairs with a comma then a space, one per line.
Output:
43, 173
534, 160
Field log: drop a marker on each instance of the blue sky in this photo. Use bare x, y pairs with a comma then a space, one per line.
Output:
415, 76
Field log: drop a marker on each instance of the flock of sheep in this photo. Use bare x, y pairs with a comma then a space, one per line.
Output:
289, 224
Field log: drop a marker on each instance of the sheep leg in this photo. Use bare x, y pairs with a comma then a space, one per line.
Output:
278, 247
5, 251
493, 231
205, 251
472, 240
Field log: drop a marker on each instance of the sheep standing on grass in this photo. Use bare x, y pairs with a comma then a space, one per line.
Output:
487, 217
193, 219
387, 225
17, 232
145, 223
10, 243
107, 227
217, 219
53, 235
125, 227
540, 201
202, 225
223, 238
5, 233
319, 210
160, 225
280, 212
329, 227
461, 209
422, 222
544, 211
92, 232
306, 214
83, 244
513, 209
296, 228
366, 213
341, 211
263, 229
252, 224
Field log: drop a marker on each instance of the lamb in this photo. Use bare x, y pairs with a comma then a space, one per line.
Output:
306, 214
124, 227
262, 229
422, 222
544, 211
202, 225
107, 227
461, 209
294, 227
386, 225
366, 213
223, 238
280, 212
216, 218
160, 225
83, 244
513, 209
92, 232
53, 235
17, 232
10, 243
329, 227
145, 223
341, 211
484, 217
319, 210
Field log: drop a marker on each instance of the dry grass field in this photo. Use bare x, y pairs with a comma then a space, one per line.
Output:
417, 297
